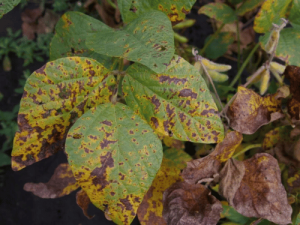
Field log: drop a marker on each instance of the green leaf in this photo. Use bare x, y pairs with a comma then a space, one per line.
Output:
54, 97
271, 11
294, 17
115, 156
248, 6
176, 103
70, 35
7, 5
288, 48
230, 213
178, 156
175, 10
4, 159
219, 45
148, 40
235, 1
297, 222
218, 11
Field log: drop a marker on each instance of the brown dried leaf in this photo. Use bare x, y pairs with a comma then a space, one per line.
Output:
190, 204
249, 111
83, 202
61, 183
253, 187
210, 165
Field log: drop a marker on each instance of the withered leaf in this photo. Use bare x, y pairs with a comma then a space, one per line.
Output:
190, 204
61, 183
249, 111
276, 135
83, 201
151, 208
210, 165
253, 187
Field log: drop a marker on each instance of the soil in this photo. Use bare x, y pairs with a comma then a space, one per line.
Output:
18, 207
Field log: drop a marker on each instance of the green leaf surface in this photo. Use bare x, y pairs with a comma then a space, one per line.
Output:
54, 97
219, 45
294, 17
178, 156
175, 10
271, 11
176, 103
288, 48
4, 159
248, 6
115, 156
70, 35
230, 213
218, 11
148, 40
297, 222
7, 5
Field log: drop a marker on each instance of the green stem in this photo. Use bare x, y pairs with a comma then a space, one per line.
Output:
237, 77
211, 39
246, 149
238, 43
121, 64
111, 4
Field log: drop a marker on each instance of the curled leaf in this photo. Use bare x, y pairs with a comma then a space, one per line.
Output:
190, 204
61, 183
210, 165
253, 187
83, 201
249, 111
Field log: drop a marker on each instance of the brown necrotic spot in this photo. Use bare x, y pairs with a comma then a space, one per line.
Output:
77, 136
156, 102
187, 93
154, 121
105, 143
108, 123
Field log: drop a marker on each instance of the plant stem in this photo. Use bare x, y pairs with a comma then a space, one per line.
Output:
211, 39
238, 43
246, 149
121, 64
111, 4
237, 77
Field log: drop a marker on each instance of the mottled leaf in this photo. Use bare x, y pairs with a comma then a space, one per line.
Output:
175, 10
249, 111
218, 11
176, 103
190, 204
7, 5
210, 165
70, 35
173, 143
276, 135
248, 6
61, 183
253, 187
83, 201
287, 49
270, 12
151, 208
148, 40
115, 156
219, 45
54, 97
178, 156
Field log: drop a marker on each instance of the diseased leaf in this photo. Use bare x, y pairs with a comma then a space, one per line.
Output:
54, 97
210, 165
151, 208
115, 156
253, 187
70, 37
61, 183
249, 111
271, 11
287, 49
248, 6
276, 135
83, 201
219, 45
175, 10
190, 204
176, 103
7, 5
173, 143
148, 40
178, 156
218, 11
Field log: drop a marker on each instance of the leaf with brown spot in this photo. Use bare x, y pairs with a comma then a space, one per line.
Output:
173, 143
253, 187
279, 134
83, 201
177, 156
113, 167
150, 211
183, 108
210, 165
54, 97
190, 204
219, 11
249, 111
61, 183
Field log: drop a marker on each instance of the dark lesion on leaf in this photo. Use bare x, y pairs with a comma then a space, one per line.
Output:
188, 93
